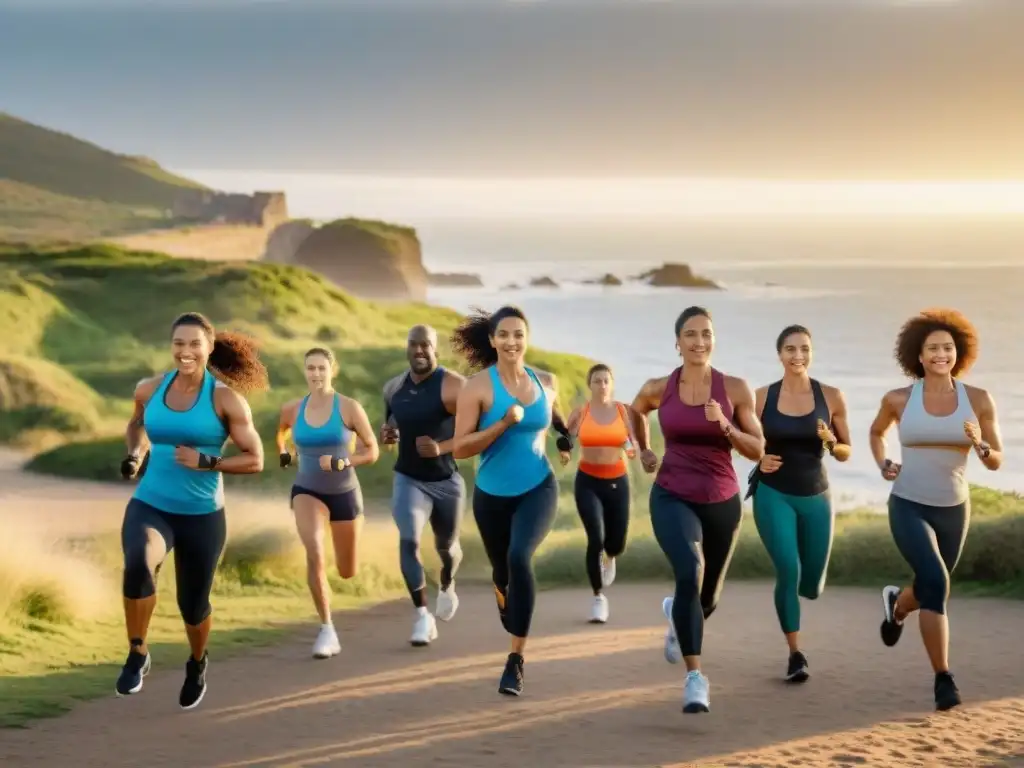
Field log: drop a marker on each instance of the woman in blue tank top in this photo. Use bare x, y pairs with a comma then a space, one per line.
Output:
187, 416
323, 427
503, 415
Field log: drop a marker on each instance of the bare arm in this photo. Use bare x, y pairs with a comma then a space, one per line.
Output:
469, 440
353, 413
840, 427
748, 440
284, 426
574, 420
238, 417
647, 399
135, 434
887, 414
988, 423
451, 388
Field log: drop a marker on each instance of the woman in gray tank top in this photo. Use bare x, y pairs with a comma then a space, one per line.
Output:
940, 421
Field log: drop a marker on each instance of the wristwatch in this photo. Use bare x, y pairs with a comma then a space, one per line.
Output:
984, 449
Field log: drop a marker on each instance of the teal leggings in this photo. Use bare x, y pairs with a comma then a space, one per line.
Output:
797, 532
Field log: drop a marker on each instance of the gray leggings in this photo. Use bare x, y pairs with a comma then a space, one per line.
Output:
931, 540
413, 503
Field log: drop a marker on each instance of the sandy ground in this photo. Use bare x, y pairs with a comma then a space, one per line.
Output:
219, 242
595, 695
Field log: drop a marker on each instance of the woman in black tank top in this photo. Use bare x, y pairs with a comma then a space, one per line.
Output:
792, 505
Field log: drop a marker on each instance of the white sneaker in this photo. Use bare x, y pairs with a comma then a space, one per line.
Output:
697, 695
327, 643
447, 603
673, 654
607, 570
599, 610
424, 630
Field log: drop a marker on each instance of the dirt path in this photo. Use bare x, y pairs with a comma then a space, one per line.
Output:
595, 696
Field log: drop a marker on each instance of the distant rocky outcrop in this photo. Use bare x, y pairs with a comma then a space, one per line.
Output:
606, 279
285, 239
260, 209
372, 259
454, 279
674, 275
543, 282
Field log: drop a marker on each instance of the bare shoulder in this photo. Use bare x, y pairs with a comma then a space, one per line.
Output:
897, 398
349, 404
478, 383
547, 378
450, 375
230, 402
738, 389
291, 407
981, 399
833, 396
654, 387
145, 388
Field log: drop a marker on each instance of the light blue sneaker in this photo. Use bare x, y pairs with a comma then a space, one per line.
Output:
697, 695
672, 652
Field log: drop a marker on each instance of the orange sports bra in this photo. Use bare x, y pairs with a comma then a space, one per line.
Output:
594, 435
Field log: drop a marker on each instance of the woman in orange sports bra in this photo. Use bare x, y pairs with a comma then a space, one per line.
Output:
604, 432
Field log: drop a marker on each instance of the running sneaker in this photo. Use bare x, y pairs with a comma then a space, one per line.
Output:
599, 610
447, 603
136, 667
424, 630
797, 671
697, 694
947, 695
607, 570
673, 654
512, 678
327, 643
891, 628
194, 687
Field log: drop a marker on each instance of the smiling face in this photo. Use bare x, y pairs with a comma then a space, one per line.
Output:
191, 347
602, 386
510, 339
319, 372
421, 350
696, 340
795, 354
938, 353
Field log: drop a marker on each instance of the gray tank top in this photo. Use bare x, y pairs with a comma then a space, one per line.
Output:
932, 475
330, 439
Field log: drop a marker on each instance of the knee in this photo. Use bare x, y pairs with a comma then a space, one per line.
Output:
932, 590
139, 581
810, 591
787, 576
688, 575
409, 549
194, 608
519, 562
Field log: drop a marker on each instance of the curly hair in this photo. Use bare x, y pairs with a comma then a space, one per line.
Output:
472, 338
234, 359
916, 330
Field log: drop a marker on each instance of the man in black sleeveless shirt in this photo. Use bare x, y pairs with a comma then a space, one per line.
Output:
420, 417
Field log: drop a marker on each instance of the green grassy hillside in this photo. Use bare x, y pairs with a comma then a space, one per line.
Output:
79, 327
53, 185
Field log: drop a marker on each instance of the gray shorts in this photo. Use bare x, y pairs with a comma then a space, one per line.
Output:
414, 502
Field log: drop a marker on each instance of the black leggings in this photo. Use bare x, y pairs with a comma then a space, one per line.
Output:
603, 504
931, 540
512, 527
148, 534
698, 540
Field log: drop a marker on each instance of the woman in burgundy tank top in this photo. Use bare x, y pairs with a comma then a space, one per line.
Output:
696, 507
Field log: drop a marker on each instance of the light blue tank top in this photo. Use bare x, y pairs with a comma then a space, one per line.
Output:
516, 462
167, 485
331, 439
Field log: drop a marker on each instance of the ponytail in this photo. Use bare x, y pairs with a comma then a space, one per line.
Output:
472, 338
234, 358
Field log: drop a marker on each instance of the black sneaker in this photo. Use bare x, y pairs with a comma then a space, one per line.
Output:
136, 667
512, 678
797, 671
194, 687
891, 629
947, 695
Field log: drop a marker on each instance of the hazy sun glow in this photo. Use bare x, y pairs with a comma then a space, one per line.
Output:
323, 195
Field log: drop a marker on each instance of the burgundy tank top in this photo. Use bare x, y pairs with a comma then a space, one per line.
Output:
697, 465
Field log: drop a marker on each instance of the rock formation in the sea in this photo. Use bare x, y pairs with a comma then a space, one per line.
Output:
606, 279
454, 279
543, 282
674, 275
285, 239
372, 259
510, 287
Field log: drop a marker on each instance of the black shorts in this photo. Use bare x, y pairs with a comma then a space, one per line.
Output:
342, 507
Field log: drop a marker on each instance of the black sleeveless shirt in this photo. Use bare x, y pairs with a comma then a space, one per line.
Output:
417, 410
795, 439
